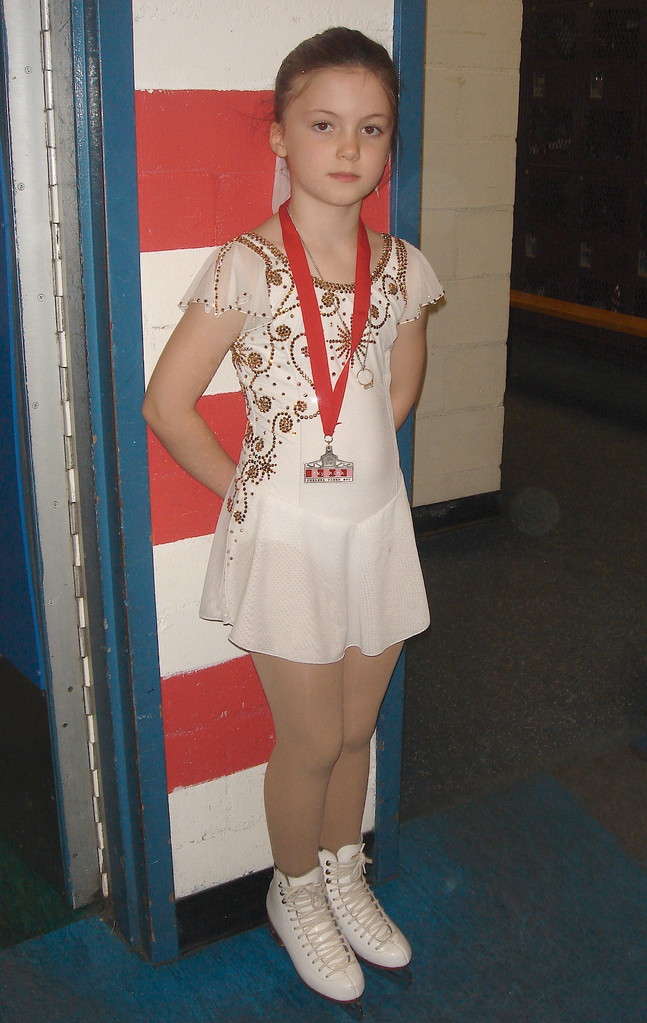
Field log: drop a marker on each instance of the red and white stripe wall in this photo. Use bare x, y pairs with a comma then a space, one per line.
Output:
203, 74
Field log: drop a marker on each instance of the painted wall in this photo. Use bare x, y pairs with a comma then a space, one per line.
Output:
203, 74
472, 82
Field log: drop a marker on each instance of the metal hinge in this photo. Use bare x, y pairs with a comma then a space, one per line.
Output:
68, 440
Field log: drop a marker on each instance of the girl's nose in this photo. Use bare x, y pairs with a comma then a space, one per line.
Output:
349, 148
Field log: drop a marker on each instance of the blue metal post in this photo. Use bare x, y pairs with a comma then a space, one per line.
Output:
129, 703
408, 54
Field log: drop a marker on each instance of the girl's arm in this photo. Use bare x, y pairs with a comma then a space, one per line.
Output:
408, 362
192, 355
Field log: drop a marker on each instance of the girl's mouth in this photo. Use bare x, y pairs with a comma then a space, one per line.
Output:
341, 176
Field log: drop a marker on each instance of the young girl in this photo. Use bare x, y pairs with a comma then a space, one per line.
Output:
314, 562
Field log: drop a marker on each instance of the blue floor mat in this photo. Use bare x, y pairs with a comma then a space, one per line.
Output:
519, 907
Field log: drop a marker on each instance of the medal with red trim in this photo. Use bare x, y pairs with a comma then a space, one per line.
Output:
329, 468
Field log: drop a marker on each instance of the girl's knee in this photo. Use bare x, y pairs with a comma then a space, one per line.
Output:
315, 753
357, 738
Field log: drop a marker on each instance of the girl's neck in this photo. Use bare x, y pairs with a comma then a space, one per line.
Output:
329, 234
332, 225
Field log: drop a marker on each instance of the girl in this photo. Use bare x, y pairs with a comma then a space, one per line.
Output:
314, 562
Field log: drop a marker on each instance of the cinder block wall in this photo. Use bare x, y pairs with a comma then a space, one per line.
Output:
472, 81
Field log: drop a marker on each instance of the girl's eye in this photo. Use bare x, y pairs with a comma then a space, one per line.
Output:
372, 130
322, 126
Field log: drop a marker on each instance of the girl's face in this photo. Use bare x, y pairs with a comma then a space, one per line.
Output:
336, 136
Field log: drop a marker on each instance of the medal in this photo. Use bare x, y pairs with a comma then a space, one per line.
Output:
328, 468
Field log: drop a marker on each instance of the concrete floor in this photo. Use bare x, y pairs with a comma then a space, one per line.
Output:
537, 655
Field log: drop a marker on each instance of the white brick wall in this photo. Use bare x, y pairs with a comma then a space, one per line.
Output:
471, 96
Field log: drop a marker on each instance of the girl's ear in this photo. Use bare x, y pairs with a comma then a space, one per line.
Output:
276, 140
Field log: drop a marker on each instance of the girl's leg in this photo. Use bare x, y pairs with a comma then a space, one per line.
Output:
306, 704
365, 681
306, 701
368, 929
324, 716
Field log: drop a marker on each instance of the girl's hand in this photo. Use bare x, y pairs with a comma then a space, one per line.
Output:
192, 355
408, 362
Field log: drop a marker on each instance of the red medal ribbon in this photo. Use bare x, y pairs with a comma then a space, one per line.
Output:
329, 398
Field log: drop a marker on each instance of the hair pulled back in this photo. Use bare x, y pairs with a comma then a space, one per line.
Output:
335, 48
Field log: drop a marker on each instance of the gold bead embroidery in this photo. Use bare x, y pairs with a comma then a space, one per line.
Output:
254, 360
285, 422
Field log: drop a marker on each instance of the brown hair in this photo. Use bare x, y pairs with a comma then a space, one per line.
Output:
335, 48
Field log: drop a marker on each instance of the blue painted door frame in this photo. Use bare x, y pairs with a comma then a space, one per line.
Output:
129, 703
409, 20
129, 710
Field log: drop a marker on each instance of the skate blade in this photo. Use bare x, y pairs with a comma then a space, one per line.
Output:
401, 976
354, 1009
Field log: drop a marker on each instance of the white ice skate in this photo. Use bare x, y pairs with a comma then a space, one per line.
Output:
301, 919
368, 929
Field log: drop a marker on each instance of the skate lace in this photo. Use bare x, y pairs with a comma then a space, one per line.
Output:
358, 899
318, 925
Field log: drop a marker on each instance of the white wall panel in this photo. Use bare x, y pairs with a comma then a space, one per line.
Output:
204, 45
471, 97
218, 831
165, 278
186, 641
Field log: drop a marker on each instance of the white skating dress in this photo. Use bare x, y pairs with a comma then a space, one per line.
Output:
303, 570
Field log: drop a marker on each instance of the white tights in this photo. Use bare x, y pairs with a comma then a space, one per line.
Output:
324, 717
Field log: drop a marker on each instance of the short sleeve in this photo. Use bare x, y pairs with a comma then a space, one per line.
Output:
233, 277
423, 287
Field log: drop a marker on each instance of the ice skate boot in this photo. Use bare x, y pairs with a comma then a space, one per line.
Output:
301, 919
368, 929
